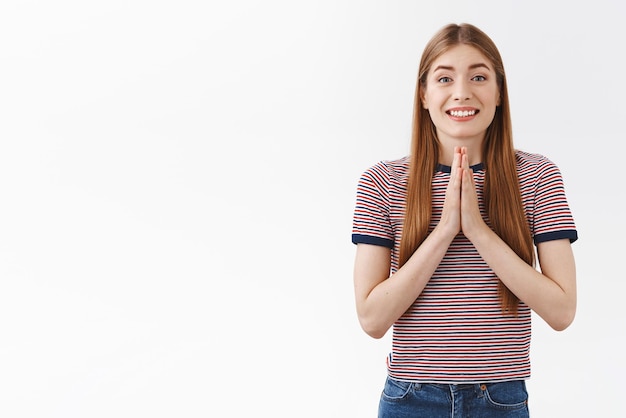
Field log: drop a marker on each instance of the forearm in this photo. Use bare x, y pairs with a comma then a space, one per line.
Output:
390, 298
551, 294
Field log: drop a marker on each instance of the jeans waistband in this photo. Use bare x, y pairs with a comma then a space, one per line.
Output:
459, 386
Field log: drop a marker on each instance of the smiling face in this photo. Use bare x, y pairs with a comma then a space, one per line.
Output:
461, 95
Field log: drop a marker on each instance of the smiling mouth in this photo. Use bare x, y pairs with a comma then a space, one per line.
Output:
462, 113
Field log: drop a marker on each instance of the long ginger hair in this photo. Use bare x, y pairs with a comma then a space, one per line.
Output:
502, 195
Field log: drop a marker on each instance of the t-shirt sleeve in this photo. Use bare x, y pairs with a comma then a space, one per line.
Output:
371, 222
553, 219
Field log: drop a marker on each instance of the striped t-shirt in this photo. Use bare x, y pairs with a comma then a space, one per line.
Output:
455, 331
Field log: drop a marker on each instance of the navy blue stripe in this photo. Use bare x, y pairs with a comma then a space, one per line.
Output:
447, 169
570, 234
368, 239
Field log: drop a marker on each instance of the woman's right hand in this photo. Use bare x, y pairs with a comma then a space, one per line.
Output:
450, 222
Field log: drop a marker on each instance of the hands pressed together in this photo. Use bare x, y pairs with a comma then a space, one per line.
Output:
460, 210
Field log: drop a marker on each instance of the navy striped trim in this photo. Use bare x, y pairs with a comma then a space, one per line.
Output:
368, 239
447, 169
570, 234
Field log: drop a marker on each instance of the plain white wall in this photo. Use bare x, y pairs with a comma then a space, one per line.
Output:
177, 182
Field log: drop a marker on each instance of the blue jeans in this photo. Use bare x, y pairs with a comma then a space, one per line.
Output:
430, 400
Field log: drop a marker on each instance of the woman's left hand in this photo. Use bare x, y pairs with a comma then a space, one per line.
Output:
471, 219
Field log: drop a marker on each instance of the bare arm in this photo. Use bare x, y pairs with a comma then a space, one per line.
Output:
551, 293
380, 299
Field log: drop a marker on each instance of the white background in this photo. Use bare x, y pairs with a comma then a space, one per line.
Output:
177, 181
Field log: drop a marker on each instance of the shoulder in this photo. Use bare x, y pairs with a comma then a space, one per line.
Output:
531, 160
386, 180
387, 170
534, 165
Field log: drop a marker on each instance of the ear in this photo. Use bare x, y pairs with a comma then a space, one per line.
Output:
423, 100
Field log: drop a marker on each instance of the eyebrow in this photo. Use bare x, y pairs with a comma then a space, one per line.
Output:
471, 67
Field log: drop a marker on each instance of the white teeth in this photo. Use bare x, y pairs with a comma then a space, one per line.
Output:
462, 113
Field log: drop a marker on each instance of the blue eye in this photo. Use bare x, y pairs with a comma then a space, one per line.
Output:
444, 80
479, 78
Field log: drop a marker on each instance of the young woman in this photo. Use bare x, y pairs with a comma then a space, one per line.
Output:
446, 244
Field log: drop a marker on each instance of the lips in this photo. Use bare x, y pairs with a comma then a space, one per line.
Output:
462, 113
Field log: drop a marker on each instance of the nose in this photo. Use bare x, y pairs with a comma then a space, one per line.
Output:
462, 91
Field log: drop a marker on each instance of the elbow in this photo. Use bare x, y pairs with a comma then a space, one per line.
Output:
563, 321
372, 328
374, 333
